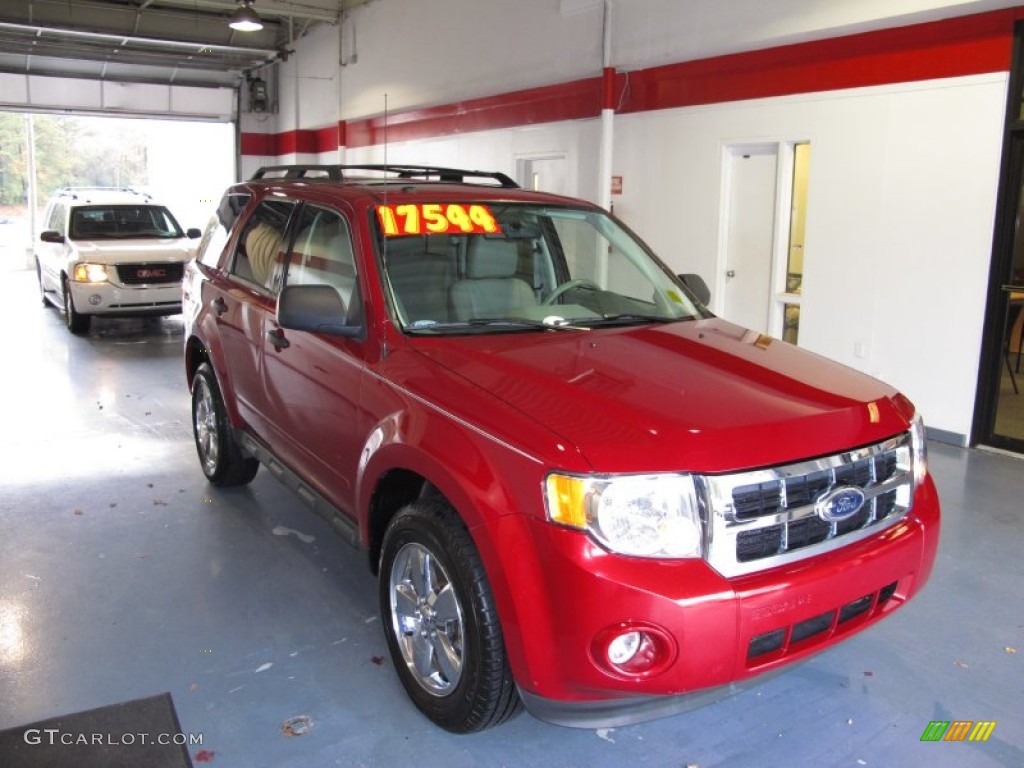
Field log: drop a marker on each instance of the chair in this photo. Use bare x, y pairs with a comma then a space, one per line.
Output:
420, 271
490, 288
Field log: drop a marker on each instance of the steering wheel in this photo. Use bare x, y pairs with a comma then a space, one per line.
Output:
568, 285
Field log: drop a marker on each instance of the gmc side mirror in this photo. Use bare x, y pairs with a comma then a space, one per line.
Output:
697, 287
316, 308
193, 232
51, 236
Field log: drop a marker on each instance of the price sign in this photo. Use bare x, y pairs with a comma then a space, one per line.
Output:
436, 219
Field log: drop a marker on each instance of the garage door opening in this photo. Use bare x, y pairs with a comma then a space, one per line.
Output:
184, 164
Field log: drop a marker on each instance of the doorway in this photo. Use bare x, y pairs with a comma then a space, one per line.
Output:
1001, 387
765, 192
545, 173
999, 406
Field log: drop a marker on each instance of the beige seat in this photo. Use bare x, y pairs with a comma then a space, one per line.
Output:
262, 246
490, 288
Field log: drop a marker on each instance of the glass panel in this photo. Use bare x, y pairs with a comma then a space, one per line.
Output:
1009, 420
790, 322
798, 219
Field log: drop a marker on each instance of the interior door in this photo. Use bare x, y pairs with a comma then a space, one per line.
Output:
751, 175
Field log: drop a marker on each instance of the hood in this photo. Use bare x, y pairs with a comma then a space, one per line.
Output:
703, 396
139, 250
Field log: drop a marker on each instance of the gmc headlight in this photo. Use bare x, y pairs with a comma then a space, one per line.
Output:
90, 273
639, 515
918, 448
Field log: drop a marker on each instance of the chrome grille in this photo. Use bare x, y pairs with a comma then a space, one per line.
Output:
764, 518
151, 274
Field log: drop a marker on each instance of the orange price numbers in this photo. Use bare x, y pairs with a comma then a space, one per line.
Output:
436, 218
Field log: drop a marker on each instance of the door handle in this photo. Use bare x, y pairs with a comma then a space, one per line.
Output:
219, 306
276, 337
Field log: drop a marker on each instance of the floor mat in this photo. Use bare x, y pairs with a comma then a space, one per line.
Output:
132, 734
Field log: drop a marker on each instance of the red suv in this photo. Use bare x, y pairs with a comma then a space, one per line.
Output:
580, 490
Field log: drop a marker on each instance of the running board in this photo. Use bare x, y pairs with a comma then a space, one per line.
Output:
343, 525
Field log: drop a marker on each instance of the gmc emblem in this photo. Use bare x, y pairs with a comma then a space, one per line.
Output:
151, 273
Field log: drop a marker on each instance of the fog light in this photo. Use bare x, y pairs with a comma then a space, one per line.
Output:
624, 647
632, 650
95, 299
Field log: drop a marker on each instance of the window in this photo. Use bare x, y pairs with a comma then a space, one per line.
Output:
118, 222
322, 255
218, 229
789, 299
260, 252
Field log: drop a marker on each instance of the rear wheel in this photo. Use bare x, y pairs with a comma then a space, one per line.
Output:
76, 322
441, 622
222, 460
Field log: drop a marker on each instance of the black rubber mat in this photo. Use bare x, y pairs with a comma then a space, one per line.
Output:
132, 734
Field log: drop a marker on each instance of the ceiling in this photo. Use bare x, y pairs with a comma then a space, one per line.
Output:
183, 42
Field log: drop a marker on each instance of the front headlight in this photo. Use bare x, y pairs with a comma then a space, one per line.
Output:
919, 448
639, 515
90, 273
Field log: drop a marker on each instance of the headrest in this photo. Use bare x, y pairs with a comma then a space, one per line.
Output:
491, 258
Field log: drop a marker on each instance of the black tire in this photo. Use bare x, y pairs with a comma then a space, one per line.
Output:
221, 459
460, 679
76, 322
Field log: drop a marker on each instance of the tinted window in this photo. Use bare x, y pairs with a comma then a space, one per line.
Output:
218, 230
117, 222
261, 249
322, 255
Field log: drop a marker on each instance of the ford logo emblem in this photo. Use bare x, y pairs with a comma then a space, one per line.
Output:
839, 504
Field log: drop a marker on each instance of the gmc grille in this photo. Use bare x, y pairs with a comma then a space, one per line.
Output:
150, 274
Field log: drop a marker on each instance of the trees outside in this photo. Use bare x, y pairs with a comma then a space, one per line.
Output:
70, 152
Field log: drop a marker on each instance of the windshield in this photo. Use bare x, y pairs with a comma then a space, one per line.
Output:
110, 222
460, 268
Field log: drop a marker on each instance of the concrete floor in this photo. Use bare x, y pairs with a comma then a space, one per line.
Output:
123, 574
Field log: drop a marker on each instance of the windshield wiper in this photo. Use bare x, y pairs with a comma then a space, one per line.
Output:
509, 323
626, 318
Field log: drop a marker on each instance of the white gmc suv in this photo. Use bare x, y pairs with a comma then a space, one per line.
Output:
111, 252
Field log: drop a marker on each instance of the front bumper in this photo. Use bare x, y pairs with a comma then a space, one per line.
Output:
724, 633
118, 300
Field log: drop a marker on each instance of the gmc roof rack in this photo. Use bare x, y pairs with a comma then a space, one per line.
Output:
337, 173
73, 192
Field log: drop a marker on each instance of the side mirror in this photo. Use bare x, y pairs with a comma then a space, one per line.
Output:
316, 308
193, 232
697, 287
51, 236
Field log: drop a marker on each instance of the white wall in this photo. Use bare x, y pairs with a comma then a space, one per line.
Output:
577, 141
444, 51
899, 225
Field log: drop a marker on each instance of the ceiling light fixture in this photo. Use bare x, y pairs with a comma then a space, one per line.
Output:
245, 19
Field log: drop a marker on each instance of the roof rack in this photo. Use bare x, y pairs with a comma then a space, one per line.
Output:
425, 172
73, 192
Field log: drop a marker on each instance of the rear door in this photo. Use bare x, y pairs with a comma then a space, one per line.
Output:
244, 301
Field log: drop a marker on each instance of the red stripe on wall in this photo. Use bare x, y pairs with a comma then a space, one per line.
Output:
565, 101
968, 45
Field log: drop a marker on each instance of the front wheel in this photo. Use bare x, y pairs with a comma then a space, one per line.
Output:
222, 460
76, 322
441, 622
